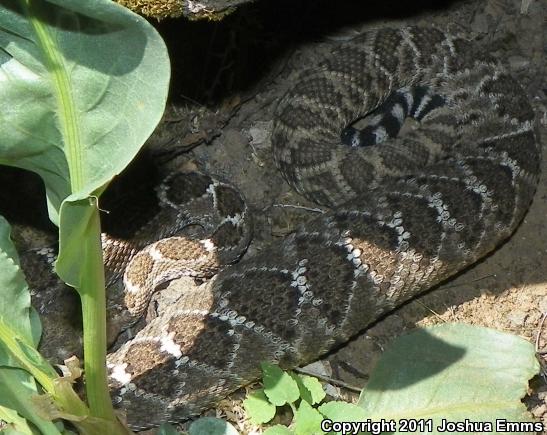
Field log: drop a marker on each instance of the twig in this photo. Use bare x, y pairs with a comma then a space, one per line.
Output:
332, 381
538, 335
431, 310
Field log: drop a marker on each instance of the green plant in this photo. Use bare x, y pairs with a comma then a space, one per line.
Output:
303, 394
82, 86
430, 378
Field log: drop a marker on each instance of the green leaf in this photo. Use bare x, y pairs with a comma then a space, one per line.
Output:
14, 293
86, 84
279, 387
83, 84
258, 408
18, 388
79, 247
310, 388
278, 430
16, 424
342, 411
452, 371
211, 426
307, 420
16, 385
27, 356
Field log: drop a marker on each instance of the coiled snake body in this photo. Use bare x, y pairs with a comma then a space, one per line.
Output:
406, 214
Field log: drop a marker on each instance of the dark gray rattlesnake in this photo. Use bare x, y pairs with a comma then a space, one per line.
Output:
407, 214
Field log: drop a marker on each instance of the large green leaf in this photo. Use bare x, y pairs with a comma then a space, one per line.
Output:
82, 85
16, 385
15, 309
453, 372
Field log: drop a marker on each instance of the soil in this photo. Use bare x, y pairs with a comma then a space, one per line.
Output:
229, 135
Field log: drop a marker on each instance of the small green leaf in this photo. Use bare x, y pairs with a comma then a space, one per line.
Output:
310, 388
278, 385
342, 411
258, 408
211, 426
307, 420
278, 430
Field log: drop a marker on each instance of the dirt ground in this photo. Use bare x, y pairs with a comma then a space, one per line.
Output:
506, 291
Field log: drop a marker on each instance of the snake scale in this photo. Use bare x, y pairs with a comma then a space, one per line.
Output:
405, 214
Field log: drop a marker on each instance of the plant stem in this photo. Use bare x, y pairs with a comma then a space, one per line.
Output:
92, 294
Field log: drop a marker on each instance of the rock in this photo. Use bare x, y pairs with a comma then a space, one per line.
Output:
213, 10
517, 317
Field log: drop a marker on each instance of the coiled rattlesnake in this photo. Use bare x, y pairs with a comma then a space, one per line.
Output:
406, 214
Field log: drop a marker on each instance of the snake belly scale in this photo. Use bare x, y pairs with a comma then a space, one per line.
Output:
405, 215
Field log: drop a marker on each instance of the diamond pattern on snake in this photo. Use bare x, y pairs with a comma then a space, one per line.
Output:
406, 212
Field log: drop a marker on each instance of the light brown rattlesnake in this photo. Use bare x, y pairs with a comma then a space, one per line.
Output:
406, 214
